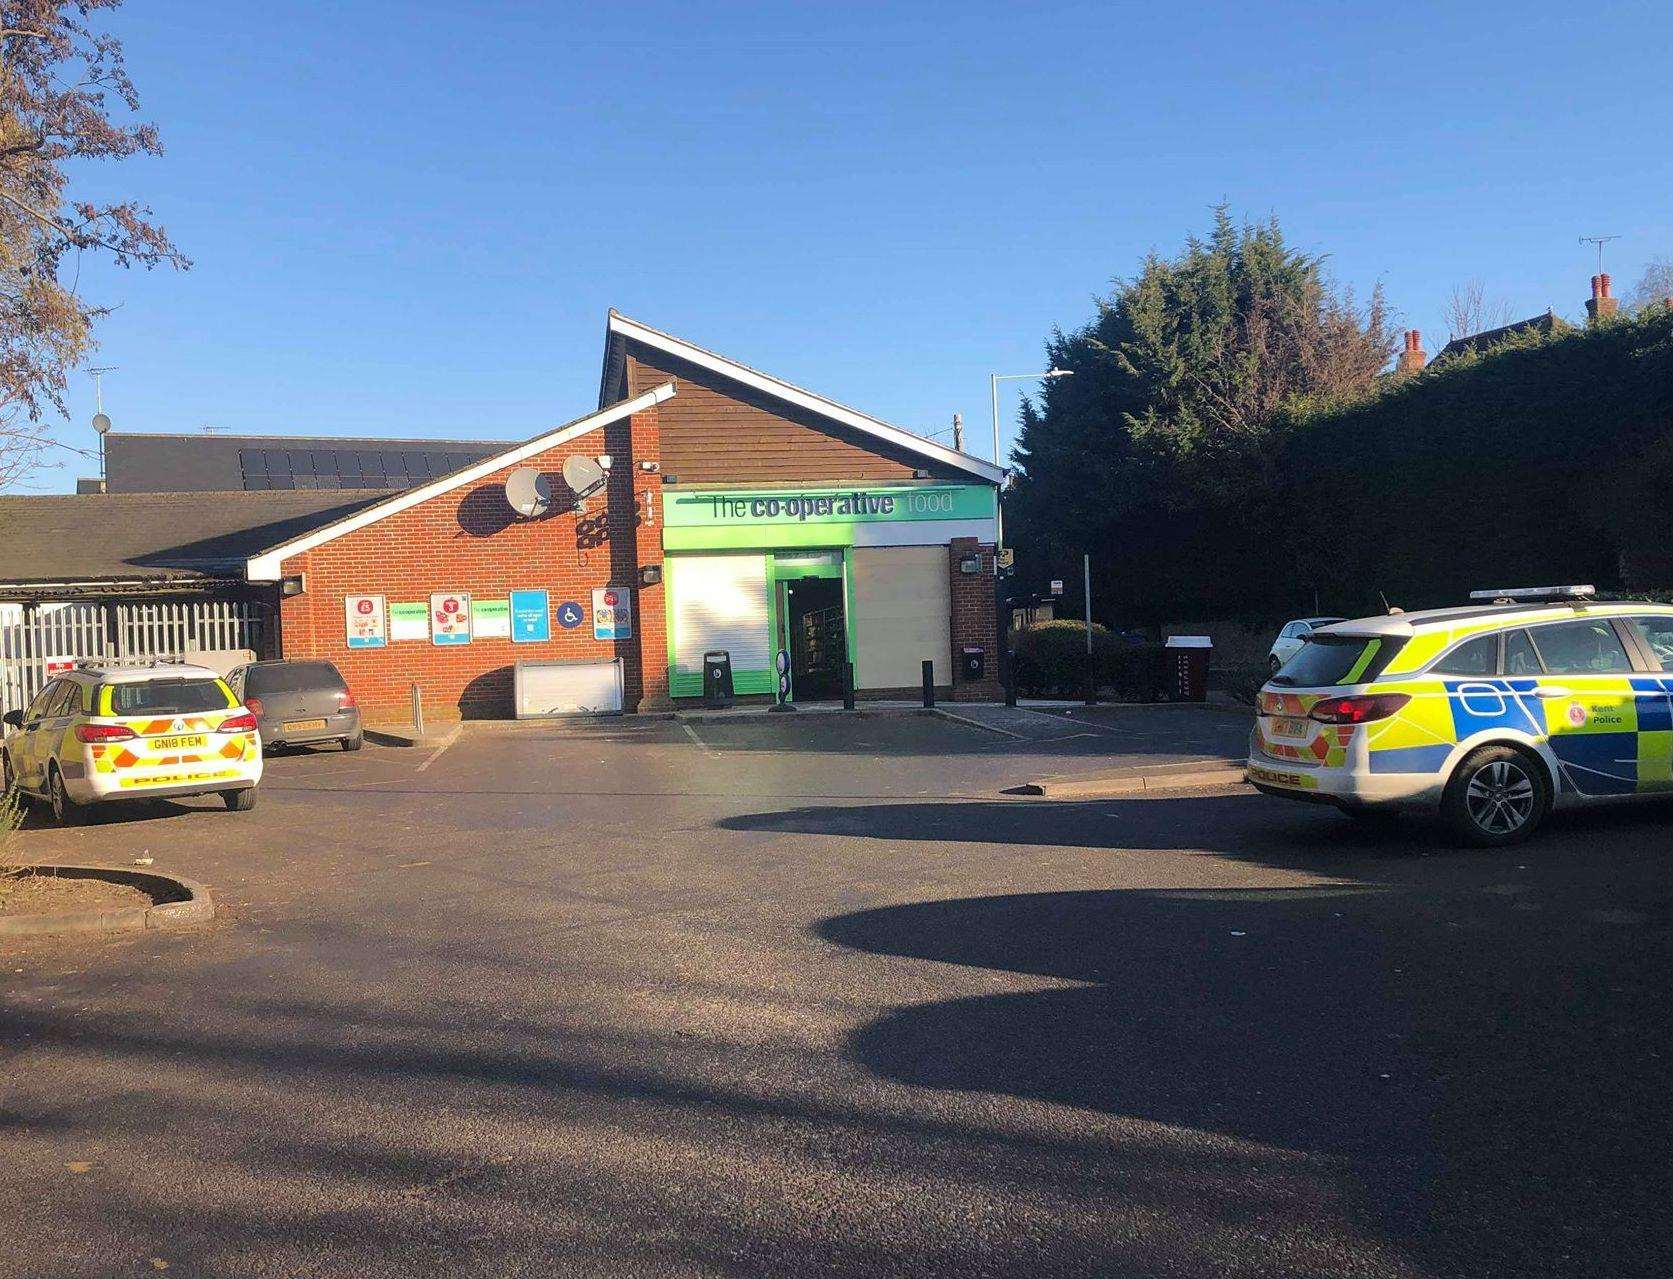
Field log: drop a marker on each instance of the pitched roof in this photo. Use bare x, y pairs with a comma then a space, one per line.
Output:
155, 537
619, 329
137, 462
266, 566
1479, 342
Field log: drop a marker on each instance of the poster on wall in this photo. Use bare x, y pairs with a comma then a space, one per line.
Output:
410, 621
491, 619
612, 613
364, 621
450, 617
531, 617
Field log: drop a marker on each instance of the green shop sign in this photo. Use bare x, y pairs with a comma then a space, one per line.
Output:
810, 517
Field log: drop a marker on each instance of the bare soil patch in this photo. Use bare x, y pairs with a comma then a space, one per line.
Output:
37, 891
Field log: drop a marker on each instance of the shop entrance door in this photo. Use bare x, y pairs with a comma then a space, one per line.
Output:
815, 635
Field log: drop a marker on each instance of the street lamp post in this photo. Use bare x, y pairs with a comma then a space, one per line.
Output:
1001, 621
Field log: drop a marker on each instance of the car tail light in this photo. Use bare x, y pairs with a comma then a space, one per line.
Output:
254, 706
1361, 708
345, 699
103, 733
241, 723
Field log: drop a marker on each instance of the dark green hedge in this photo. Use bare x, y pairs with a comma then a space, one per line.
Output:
1051, 661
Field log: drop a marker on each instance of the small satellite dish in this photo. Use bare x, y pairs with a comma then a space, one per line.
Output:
101, 423
528, 492
583, 475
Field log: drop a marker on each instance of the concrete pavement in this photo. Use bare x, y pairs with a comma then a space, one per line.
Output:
655, 999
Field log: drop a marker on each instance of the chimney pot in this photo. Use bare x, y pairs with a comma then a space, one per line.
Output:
1603, 283
1597, 283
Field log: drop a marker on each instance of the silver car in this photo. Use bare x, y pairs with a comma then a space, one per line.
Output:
299, 703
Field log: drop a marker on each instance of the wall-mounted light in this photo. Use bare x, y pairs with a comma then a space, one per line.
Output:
293, 585
920, 474
650, 574
670, 479
604, 460
973, 564
651, 465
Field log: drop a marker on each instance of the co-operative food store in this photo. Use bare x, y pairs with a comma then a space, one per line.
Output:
731, 512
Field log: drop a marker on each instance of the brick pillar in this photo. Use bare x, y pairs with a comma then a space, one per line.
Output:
651, 625
974, 623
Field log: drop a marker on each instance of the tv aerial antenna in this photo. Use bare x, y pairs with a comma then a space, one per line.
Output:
101, 422
1600, 241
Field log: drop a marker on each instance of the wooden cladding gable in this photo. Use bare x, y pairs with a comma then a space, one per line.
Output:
718, 431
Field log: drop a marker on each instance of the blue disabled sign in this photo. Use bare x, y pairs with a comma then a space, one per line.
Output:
570, 615
531, 617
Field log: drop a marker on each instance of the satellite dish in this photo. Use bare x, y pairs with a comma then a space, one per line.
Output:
583, 475
528, 492
101, 423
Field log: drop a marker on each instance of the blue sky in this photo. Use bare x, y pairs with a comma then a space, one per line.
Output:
410, 218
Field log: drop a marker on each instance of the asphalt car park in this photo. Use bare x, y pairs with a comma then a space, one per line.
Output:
761, 997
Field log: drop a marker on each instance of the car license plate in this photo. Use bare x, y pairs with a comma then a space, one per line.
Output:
300, 725
192, 741
1286, 726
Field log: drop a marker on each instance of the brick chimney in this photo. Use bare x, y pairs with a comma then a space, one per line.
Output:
1602, 304
1413, 357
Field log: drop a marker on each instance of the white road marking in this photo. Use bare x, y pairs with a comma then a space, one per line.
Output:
434, 756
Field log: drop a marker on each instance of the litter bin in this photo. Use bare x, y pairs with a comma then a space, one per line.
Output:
717, 677
973, 662
1188, 666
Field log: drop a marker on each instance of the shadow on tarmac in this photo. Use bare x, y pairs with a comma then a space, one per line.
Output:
1456, 1041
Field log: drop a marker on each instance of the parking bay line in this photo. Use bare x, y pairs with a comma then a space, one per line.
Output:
435, 755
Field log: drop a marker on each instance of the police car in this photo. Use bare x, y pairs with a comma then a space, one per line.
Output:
101, 733
1491, 714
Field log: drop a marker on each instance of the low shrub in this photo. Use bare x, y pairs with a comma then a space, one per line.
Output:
1051, 661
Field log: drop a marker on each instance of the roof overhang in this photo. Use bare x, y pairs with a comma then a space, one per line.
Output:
268, 565
620, 329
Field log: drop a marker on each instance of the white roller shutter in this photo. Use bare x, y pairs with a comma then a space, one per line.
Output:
902, 615
720, 601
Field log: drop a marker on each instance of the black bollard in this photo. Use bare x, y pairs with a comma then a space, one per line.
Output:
929, 684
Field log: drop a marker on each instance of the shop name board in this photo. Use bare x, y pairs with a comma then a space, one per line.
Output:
848, 506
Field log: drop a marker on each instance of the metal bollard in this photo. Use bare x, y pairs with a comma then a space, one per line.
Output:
417, 711
1010, 679
929, 684
848, 686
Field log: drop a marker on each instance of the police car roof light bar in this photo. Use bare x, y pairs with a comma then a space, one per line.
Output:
1514, 594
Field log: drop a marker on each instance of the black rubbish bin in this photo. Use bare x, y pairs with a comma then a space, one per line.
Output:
973, 663
717, 677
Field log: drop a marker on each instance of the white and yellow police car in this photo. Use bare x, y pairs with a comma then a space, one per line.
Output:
1492, 714
100, 733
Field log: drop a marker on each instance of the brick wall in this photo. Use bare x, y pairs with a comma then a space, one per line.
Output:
974, 622
469, 540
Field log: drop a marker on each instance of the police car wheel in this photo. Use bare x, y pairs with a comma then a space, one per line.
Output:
65, 810
1498, 796
240, 801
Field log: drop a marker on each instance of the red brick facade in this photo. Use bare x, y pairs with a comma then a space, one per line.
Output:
974, 621
469, 540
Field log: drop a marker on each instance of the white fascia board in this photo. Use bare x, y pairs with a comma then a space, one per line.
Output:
804, 399
266, 566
